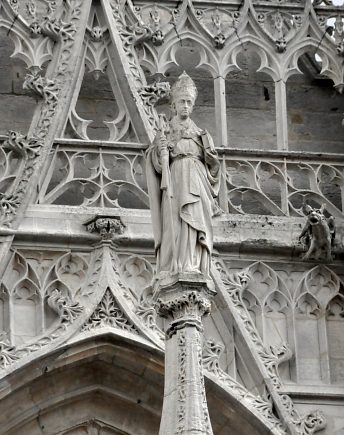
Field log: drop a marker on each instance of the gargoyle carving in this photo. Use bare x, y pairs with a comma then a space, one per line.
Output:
318, 234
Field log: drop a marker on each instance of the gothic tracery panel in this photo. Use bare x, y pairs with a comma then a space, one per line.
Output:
34, 281
98, 177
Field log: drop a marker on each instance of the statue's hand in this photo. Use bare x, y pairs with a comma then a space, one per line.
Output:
163, 147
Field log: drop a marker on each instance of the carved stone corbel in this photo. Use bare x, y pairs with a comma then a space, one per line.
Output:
106, 226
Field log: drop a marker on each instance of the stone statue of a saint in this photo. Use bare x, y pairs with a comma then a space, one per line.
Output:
183, 176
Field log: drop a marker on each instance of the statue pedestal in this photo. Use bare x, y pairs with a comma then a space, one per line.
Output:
183, 299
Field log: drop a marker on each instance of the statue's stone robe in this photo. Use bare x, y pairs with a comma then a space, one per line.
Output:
182, 221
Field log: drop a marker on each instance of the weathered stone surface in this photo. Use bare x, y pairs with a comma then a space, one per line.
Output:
81, 345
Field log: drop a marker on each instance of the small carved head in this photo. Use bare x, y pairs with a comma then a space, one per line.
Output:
35, 29
158, 38
97, 34
219, 41
281, 45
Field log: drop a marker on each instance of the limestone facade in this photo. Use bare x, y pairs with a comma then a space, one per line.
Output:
81, 85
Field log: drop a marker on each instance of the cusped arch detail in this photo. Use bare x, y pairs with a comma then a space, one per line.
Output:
264, 281
321, 282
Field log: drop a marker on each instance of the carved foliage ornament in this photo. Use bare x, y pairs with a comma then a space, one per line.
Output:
45, 88
151, 94
191, 303
190, 369
66, 309
107, 227
28, 149
54, 28
108, 313
7, 352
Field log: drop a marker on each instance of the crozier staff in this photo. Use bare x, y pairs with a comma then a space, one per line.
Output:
183, 176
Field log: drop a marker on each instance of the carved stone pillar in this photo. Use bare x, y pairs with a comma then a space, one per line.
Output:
182, 300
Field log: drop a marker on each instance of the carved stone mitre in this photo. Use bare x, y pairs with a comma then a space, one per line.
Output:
184, 86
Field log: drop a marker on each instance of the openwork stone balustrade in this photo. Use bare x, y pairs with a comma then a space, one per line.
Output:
253, 182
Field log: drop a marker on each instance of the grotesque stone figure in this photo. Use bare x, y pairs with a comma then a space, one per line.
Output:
183, 181
318, 234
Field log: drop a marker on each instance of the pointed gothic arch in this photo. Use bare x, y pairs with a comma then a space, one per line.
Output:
109, 380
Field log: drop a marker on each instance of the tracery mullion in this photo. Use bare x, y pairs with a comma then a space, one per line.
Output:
292, 344
281, 115
295, 348
220, 111
11, 317
323, 347
75, 93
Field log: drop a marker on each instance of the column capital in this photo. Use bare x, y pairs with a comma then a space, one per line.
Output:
183, 299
